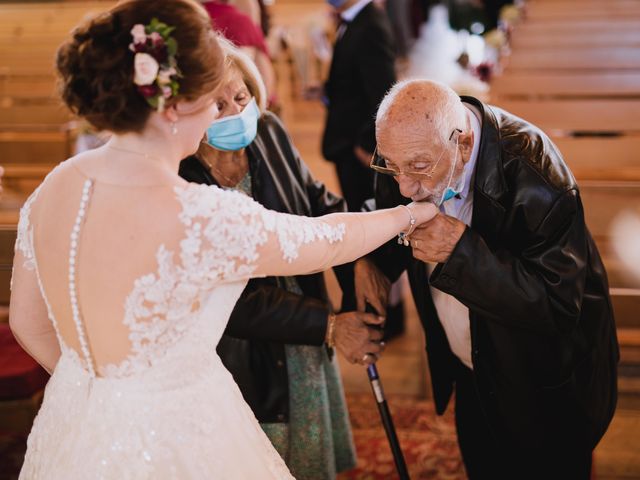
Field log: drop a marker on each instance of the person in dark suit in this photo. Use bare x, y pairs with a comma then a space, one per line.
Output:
507, 280
362, 70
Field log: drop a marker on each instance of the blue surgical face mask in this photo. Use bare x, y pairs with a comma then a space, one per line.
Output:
235, 131
336, 3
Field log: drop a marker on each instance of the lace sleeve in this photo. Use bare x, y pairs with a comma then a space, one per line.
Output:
230, 236
24, 240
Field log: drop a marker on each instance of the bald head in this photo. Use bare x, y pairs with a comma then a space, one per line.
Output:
423, 131
422, 109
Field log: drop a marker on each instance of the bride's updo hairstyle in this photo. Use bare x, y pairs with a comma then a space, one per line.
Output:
96, 65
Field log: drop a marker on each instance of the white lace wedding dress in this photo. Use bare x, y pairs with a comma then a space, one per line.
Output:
138, 304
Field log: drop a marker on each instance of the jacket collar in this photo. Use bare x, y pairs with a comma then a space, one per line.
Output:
490, 185
489, 175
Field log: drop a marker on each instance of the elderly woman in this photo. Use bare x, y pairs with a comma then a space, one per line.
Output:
278, 344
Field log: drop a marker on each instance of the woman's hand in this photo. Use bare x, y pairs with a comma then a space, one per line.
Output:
372, 287
358, 337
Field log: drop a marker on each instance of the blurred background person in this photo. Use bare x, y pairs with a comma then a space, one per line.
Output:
362, 70
244, 32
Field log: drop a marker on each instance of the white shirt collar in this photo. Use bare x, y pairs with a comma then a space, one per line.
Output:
470, 167
352, 12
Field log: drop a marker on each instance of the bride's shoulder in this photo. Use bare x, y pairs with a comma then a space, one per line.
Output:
206, 200
60, 173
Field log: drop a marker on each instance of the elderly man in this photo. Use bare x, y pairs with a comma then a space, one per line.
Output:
508, 283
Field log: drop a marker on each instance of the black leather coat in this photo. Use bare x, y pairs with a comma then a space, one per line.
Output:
266, 317
544, 346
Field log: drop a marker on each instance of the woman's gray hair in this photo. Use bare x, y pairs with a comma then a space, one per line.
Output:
443, 110
240, 61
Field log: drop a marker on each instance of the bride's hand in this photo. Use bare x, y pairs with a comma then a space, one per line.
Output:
423, 211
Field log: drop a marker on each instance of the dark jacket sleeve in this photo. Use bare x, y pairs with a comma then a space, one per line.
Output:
376, 65
544, 283
324, 202
267, 312
321, 202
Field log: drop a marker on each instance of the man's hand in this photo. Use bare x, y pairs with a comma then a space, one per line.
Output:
362, 155
371, 286
435, 240
355, 336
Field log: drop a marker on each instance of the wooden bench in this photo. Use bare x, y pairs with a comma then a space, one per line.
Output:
42, 112
563, 117
35, 146
563, 85
602, 202
569, 11
22, 179
26, 87
595, 58
597, 159
597, 25
524, 39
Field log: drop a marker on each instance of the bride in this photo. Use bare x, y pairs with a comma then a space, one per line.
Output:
125, 275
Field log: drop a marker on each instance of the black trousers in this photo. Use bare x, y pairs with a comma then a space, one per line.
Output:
356, 181
486, 459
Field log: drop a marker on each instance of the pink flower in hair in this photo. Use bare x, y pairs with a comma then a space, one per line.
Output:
156, 39
146, 69
138, 33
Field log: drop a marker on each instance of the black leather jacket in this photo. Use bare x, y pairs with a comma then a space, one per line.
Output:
544, 346
266, 317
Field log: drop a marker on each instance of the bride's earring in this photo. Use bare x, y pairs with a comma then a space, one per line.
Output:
174, 128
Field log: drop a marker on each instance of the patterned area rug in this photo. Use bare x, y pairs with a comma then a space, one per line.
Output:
428, 441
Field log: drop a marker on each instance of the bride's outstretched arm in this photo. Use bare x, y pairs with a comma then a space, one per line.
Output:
300, 245
246, 240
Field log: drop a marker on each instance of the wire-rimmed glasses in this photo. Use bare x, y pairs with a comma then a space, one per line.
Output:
416, 175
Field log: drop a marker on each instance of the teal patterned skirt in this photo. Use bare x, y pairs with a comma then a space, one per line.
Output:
317, 443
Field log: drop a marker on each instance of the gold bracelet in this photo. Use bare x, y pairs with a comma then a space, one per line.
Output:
331, 330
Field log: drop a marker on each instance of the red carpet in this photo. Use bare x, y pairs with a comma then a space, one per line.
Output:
428, 441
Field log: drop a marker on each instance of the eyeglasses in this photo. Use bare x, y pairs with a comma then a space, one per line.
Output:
395, 171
